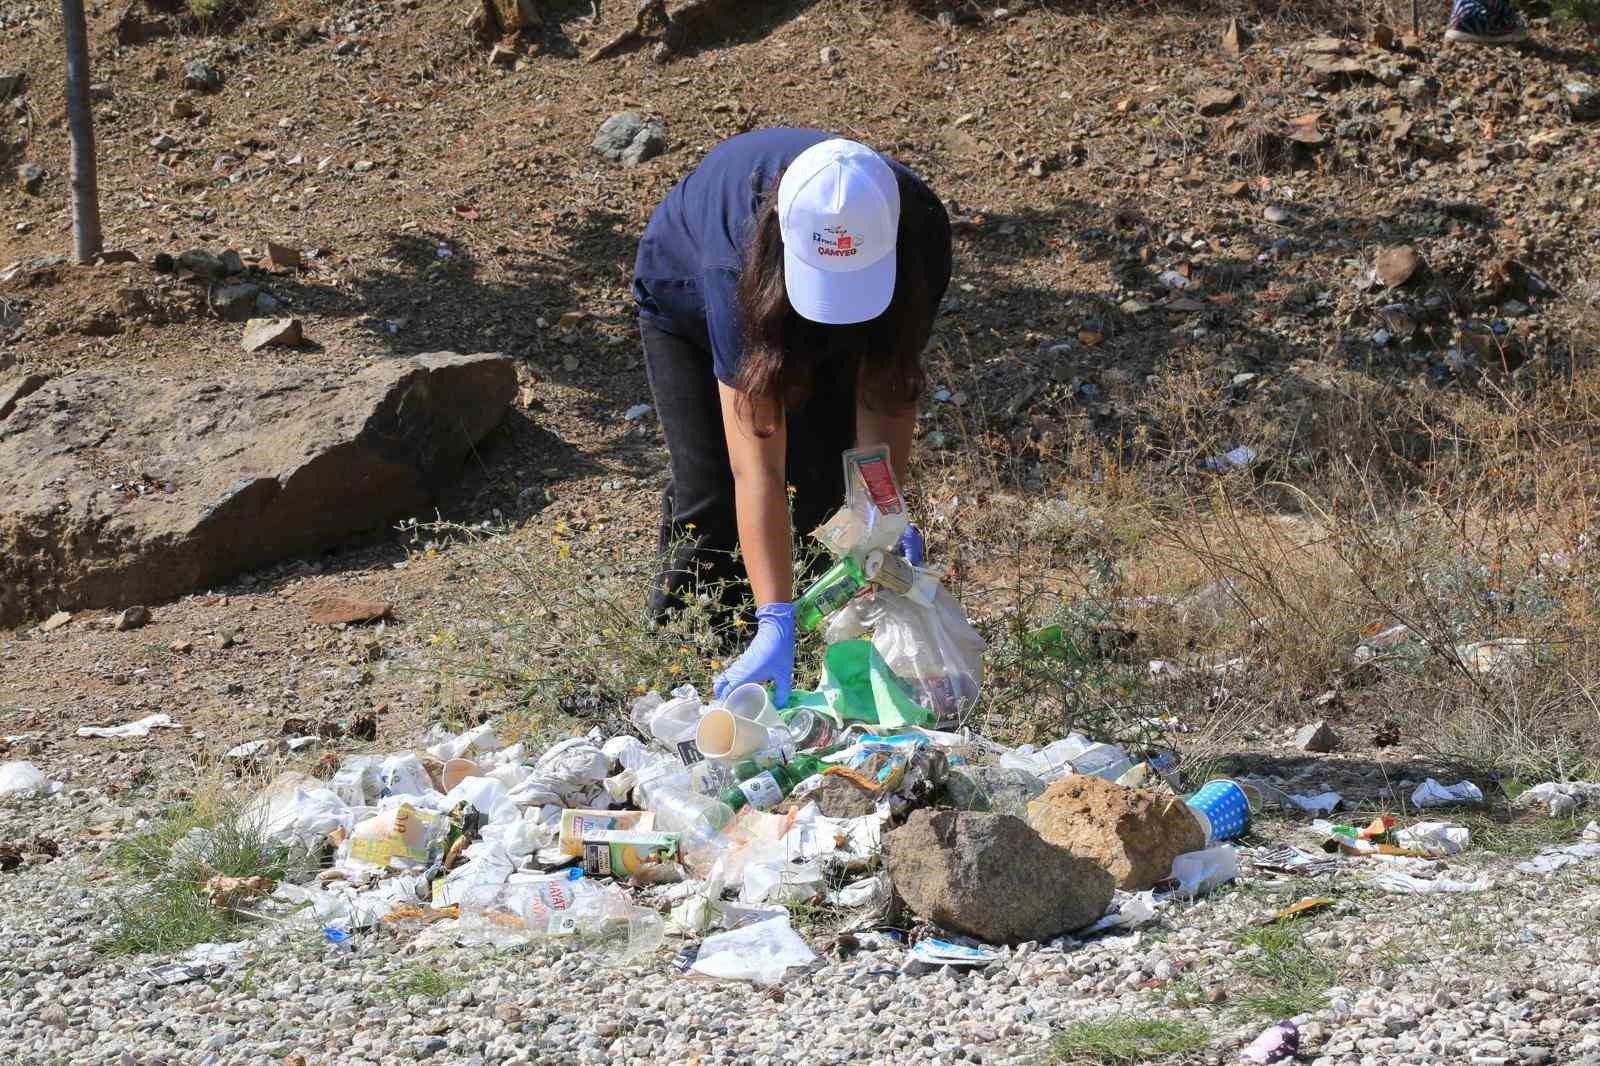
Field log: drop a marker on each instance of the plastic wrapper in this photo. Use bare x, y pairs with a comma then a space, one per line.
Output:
488, 796
1407, 884
402, 839
487, 866
874, 513
1559, 799
404, 775
1552, 859
1279, 1043
762, 952
479, 739
934, 953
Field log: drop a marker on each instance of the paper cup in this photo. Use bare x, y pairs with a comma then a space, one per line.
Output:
725, 735
1222, 809
751, 701
456, 771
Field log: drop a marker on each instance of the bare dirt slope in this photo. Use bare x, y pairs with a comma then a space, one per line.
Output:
1131, 199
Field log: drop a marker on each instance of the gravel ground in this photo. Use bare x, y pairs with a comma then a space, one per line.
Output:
1503, 976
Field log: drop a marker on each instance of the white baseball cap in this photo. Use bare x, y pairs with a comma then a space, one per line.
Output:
839, 215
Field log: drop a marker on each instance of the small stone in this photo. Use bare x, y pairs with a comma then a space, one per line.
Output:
232, 263
202, 264
56, 621
181, 647
30, 176
1214, 102
235, 303
225, 638
1397, 265
830, 56
262, 333
165, 142
636, 412
335, 608
201, 77
1278, 216
362, 166
628, 139
282, 257
183, 107
1316, 737
132, 618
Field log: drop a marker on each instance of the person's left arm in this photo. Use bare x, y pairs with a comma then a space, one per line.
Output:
894, 428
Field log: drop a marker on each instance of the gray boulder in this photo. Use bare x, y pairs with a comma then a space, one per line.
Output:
231, 474
992, 877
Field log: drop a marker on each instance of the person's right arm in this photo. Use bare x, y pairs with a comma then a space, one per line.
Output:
761, 498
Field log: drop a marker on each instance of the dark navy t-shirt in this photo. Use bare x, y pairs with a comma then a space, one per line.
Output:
686, 276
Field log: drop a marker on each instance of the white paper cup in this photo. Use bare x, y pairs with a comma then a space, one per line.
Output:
725, 735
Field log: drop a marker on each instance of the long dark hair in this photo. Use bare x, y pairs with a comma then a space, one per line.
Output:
783, 349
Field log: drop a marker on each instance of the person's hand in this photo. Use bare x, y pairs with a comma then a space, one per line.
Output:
770, 656
911, 545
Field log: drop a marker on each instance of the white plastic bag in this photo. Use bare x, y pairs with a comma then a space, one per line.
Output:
289, 813
1198, 872
487, 795
1432, 794
22, 780
931, 648
570, 774
403, 775
1435, 838
762, 952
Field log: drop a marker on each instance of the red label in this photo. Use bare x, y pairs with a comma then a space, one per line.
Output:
879, 480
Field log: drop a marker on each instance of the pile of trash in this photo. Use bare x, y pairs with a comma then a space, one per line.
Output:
713, 818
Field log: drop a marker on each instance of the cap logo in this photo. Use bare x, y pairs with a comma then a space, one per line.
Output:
835, 241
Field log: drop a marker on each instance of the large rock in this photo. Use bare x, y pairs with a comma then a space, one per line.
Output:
1132, 833
118, 489
992, 877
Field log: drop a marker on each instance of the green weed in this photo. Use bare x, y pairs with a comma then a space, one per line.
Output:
169, 864
1288, 976
425, 981
1124, 1041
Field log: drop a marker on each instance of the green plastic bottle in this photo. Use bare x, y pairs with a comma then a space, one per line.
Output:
765, 789
830, 592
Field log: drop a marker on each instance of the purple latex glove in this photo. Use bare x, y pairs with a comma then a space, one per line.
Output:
911, 545
770, 656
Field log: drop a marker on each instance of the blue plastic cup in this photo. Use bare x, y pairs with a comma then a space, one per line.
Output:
1222, 809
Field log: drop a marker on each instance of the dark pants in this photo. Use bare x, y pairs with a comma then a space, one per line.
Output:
699, 528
